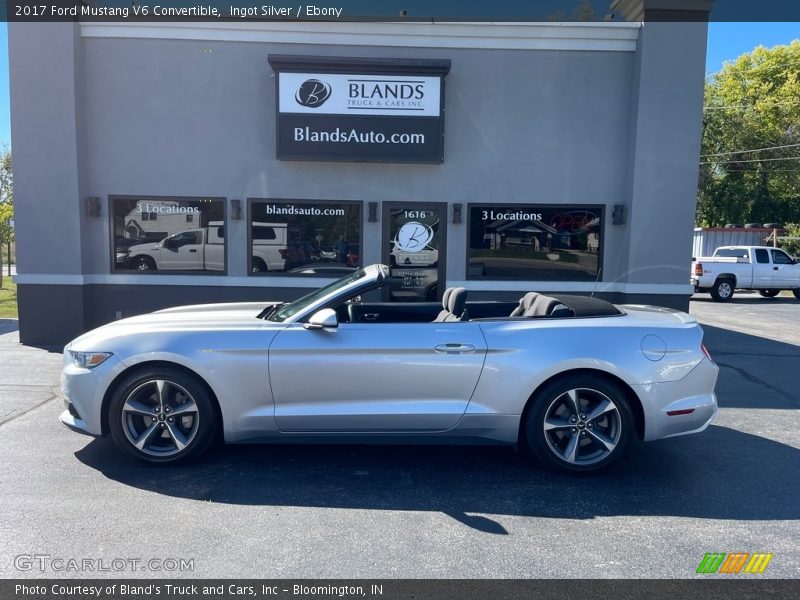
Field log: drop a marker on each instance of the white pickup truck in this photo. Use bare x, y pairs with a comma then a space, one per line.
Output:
203, 249
768, 270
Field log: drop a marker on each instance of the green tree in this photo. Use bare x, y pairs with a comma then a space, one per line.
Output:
6, 208
791, 241
750, 163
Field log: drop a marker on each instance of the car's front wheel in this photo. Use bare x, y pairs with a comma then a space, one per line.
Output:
579, 424
144, 263
162, 416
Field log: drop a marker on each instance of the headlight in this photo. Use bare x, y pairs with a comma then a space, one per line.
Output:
88, 360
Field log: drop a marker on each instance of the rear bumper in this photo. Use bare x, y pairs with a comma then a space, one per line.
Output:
681, 407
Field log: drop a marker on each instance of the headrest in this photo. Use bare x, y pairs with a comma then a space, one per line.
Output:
457, 301
524, 304
446, 297
541, 306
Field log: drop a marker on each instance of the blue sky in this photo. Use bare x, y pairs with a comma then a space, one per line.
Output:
726, 41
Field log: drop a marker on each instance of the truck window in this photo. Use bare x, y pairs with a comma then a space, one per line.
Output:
261, 232
731, 253
762, 256
779, 257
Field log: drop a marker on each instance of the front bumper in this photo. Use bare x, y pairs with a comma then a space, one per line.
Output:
691, 401
83, 391
74, 423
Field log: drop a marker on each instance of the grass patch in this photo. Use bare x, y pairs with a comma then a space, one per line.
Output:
8, 299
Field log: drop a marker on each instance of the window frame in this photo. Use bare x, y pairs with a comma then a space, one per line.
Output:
160, 273
533, 207
299, 201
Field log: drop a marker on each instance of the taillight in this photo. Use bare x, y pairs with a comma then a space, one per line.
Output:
698, 269
705, 351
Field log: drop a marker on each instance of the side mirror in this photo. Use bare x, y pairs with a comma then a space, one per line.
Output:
324, 318
169, 243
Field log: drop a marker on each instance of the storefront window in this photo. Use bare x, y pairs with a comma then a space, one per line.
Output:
309, 237
168, 234
529, 242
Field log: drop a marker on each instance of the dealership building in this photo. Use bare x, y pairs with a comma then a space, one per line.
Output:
158, 164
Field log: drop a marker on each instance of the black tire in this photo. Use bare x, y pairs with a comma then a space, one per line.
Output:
769, 293
165, 440
144, 263
258, 266
796, 293
722, 290
556, 447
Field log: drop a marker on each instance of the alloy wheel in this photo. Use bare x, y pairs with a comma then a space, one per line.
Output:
582, 426
160, 418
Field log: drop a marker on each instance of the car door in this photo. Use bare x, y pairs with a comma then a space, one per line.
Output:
762, 269
785, 272
183, 251
375, 377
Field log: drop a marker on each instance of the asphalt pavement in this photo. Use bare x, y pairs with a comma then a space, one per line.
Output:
419, 512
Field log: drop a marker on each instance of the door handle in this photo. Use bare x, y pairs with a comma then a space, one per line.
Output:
193, 250
370, 316
775, 268
454, 348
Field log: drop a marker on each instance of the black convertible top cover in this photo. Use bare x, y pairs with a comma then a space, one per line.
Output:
585, 306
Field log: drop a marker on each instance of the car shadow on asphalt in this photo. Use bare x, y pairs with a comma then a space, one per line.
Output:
719, 474
755, 372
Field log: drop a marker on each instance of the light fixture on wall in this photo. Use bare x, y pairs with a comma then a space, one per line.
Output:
456, 214
93, 208
236, 210
618, 216
373, 212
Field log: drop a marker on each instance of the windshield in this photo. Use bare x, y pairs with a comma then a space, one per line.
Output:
287, 310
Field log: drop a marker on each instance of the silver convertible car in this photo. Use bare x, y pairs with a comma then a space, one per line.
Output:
572, 379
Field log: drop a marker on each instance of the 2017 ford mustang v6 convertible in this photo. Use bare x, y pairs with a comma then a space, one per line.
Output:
573, 379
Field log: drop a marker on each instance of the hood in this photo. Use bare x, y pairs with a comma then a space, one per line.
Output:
198, 317
224, 309
143, 247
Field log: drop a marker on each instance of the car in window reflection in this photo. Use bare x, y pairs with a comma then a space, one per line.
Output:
573, 380
322, 270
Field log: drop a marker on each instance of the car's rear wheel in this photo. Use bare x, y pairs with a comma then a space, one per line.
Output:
580, 424
796, 293
769, 293
162, 416
722, 290
257, 265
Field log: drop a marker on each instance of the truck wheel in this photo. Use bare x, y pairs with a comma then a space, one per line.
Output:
144, 263
722, 290
258, 266
769, 293
796, 293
